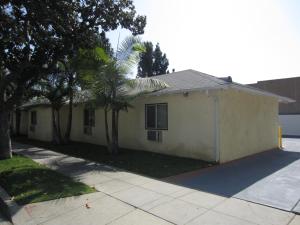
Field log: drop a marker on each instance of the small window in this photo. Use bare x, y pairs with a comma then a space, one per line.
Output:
156, 116
33, 119
88, 120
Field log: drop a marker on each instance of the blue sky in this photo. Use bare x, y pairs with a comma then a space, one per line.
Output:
249, 40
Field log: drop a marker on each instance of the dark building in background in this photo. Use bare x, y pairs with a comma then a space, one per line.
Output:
289, 114
288, 87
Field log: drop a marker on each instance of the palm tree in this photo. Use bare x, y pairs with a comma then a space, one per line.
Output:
53, 89
114, 91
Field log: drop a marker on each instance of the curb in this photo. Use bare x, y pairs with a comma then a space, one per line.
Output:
5, 210
4, 198
16, 214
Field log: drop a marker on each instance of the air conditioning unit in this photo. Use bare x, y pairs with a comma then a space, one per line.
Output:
154, 135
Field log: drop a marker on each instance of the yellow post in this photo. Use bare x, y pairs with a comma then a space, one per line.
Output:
279, 137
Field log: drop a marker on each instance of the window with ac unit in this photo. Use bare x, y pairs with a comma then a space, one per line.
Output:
156, 116
89, 120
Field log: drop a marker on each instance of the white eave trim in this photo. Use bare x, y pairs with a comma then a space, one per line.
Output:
158, 93
281, 99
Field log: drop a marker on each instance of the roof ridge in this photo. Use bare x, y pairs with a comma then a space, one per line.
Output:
215, 79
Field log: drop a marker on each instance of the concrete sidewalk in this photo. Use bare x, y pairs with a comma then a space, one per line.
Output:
3, 221
127, 198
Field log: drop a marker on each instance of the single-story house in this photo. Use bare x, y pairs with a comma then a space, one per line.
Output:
197, 116
289, 114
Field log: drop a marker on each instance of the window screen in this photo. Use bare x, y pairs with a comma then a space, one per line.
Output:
162, 116
151, 116
33, 118
86, 117
156, 116
89, 117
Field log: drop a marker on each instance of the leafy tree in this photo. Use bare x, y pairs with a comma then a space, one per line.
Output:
36, 34
113, 91
151, 62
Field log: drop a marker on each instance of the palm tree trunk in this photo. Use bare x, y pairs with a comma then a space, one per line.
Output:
70, 116
113, 132
107, 129
55, 136
58, 127
5, 142
117, 130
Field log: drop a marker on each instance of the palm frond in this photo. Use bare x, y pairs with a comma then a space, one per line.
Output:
128, 53
140, 86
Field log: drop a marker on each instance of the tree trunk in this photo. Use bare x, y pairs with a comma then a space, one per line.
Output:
55, 136
107, 130
117, 130
113, 132
70, 116
58, 127
5, 142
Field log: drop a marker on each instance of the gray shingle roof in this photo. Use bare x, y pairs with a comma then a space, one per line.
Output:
182, 81
191, 80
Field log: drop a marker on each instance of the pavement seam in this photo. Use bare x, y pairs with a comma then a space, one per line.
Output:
197, 206
291, 219
123, 189
201, 214
226, 214
157, 192
121, 216
209, 208
257, 203
139, 208
298, 202
158, 204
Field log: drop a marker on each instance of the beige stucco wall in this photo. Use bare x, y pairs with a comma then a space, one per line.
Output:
248, 124
43, 128
190, 126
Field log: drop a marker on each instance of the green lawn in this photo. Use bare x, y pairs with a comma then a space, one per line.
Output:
141, 162
29, 182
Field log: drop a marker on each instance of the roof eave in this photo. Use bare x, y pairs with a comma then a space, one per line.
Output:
280, 99
186, 90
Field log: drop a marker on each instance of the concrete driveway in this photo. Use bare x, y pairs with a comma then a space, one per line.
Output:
271, 178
